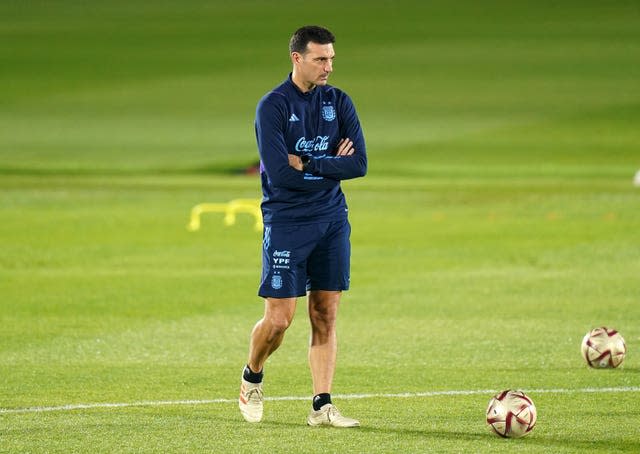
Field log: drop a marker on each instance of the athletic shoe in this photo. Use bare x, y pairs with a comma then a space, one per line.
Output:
250, 401
328, 415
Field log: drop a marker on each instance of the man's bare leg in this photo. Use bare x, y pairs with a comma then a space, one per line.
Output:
266, 337
323, 345
323, 348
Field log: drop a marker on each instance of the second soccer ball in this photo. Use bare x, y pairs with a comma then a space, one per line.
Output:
603, 348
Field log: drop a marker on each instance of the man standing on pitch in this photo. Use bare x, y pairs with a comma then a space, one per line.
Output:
309, 139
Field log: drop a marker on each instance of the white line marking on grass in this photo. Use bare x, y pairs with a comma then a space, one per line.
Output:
159, 403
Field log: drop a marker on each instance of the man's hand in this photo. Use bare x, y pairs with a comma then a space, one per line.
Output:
295, 162
345, 148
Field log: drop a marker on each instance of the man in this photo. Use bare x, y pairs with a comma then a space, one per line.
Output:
309, 139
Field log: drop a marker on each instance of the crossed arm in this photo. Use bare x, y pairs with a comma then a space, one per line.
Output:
345, 148
285, 169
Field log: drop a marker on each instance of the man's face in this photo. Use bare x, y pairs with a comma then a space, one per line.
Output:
315, 65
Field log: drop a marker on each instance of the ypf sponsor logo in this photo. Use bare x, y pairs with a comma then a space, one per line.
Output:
320, 143
281, 259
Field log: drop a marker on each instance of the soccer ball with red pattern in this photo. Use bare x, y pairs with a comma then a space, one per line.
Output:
511, 414
603, 348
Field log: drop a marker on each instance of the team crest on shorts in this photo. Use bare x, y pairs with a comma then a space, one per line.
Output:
328, 113
276, 281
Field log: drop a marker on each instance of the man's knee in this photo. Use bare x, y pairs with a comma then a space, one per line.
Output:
278, 324
323, 309
279, 315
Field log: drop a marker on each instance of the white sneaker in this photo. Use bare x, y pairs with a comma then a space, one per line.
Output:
329, 415
250, 401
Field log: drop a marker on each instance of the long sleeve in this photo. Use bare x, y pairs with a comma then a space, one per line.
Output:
269, 126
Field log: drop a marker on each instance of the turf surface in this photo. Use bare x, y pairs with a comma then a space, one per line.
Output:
497, 225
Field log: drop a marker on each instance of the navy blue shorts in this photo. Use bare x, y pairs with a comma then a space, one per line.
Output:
298, 258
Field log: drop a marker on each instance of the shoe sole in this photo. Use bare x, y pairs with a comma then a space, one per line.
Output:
322, 424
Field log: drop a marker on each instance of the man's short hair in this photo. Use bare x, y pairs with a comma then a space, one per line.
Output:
309, 33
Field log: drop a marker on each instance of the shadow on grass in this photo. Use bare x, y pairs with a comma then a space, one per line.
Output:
38, 428
537, 440
549, 443
372, 430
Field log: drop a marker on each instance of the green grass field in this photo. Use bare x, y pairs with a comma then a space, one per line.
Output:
497, 225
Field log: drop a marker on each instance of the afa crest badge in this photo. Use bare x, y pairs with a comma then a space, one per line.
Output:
328, 113
276, 281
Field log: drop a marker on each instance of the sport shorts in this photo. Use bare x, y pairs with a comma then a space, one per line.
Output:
298, 258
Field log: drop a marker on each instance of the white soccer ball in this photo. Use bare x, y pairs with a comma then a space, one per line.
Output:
603, 348
511, 414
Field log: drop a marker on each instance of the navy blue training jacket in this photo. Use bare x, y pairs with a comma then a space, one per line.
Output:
291, 122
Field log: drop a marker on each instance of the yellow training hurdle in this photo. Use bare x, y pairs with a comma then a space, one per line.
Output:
230, 209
